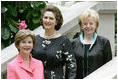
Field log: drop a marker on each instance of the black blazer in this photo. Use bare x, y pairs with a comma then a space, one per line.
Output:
98, 55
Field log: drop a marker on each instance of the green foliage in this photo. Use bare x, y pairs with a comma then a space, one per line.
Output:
12, 12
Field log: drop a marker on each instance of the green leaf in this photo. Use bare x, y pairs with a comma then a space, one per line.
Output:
37, 3
13, 11
3, 9
35, 20
5, 33
29, 17
13, 28
12, 22
41, 10
35, 14
42, 4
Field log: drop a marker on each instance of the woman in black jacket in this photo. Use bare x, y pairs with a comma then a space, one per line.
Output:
54, 49
91, 50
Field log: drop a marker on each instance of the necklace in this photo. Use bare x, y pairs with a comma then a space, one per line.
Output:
51, 36
26, 60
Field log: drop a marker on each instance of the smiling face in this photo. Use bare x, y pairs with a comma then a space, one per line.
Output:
89, 26
25, 46
49, 20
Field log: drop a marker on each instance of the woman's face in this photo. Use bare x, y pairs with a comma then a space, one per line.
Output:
25, 46
89, 26
49, 20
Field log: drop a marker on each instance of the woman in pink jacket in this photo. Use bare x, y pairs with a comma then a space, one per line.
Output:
24, 66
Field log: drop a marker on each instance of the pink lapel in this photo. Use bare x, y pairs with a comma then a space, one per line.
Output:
32, 63
23, 64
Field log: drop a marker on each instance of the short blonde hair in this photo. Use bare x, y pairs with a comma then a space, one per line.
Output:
89, 13
22, 34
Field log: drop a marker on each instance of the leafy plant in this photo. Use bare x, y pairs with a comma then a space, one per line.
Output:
12, 12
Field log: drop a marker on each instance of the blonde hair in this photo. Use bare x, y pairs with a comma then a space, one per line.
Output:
89, 13
22, 34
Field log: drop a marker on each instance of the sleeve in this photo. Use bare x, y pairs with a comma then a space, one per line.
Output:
107, 51
70, 72
42, 67
10, 72
73, 43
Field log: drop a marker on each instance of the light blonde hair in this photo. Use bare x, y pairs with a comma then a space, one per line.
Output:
89, 13
22, 34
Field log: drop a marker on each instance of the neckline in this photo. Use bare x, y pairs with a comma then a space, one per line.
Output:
87, 44
51, 38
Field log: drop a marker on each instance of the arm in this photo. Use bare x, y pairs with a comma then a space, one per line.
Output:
42, 70
70, 60
10, 72
107, 51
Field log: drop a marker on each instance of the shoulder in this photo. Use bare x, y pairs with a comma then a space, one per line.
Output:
65, 39
37, 36
37, 61
75, 41
102, 39
12, 63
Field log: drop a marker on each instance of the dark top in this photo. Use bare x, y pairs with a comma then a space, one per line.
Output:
55, 54
85, 58
88, 61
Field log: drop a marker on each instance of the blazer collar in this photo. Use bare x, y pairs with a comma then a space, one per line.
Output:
23, 65
93, 41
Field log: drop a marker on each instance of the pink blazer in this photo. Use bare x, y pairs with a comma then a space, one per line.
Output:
17, 69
